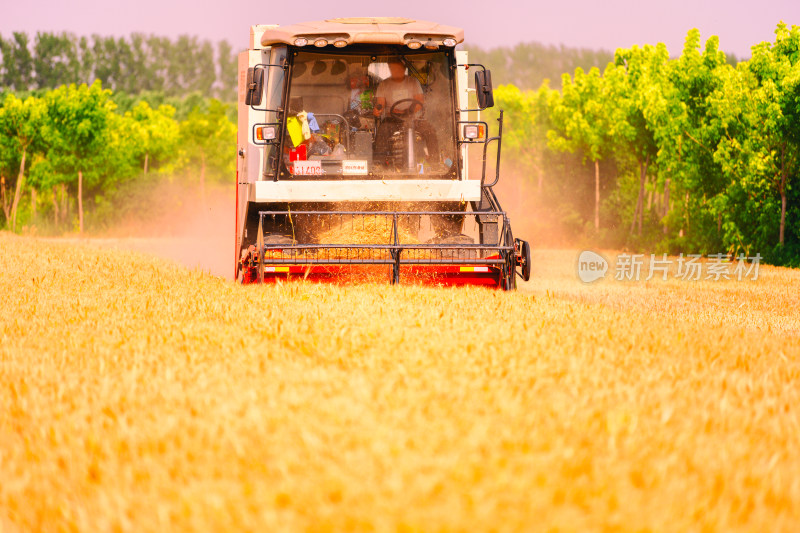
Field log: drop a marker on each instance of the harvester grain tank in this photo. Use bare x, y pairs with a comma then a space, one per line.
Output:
354, 148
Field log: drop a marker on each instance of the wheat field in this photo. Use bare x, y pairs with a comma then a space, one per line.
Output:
139, 395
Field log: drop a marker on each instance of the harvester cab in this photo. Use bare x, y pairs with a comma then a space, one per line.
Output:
353, 157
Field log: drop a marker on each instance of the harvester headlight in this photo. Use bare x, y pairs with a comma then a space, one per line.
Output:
266, 133
321, 42
474, 131
449, 42
300, 41
431, 45
414, 44
340, 43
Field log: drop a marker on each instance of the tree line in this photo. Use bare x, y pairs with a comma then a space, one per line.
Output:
148, 63
688, 154
132, 65
70, 151
527, 65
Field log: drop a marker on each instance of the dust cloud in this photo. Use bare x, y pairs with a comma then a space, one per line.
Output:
532, 219
192, 227
197, 229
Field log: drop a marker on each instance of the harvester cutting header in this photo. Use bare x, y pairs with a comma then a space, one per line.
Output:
353, 157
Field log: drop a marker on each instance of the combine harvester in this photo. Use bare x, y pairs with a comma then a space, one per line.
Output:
353, 158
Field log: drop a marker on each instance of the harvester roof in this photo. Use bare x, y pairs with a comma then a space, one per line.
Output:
376, 30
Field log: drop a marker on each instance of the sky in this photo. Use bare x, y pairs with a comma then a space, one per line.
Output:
607, 24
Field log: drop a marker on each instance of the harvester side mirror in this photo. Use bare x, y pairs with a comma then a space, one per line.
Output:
255, 86
483, 88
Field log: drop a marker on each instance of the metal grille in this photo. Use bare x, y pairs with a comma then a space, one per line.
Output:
382, 238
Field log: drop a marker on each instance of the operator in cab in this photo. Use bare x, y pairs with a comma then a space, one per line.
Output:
395, 88
399, 98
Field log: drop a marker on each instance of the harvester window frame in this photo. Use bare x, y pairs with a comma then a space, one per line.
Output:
263, 67
275, 163
278, 60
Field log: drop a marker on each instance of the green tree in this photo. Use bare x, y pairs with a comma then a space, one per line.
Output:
208, 140
228, 67
56, 60
526, 122
159, 54
204, 74
78, 131
580, 120
639, 88
138, 77
528, 65
687, 152
44, 177
773, 114
107, 61
17, 62
154, 132
20, 128
86, 63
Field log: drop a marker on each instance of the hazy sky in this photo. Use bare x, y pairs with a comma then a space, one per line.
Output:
597, 24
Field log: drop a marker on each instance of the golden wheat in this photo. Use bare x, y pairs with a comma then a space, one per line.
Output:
137, 395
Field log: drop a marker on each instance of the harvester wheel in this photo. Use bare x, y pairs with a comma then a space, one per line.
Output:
525, 252
509, 270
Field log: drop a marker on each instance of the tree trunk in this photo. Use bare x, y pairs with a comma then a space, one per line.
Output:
783, 215
6, 207
666, 203
782, 190
637, 214
687, 212
33, 205
642, 182
55, 208
80, 202
18, 191
65, 214
597, 195
146, 162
